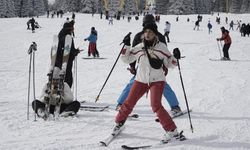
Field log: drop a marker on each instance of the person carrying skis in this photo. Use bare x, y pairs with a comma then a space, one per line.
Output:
152, 54
68, 29
168, 92
227, 43
92, 38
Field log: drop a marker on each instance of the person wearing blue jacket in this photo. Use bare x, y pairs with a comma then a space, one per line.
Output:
92, 43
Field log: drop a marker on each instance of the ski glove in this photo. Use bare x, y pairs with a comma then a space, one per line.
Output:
126, 39
177, 53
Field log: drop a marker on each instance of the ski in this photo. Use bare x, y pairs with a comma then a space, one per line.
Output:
181, 137
127, 147
176, 116
93, 58
94, 108
111, 137
60, 82
214, 59
90, 106
48, 96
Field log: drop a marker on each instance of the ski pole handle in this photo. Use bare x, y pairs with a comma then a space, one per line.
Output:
127, 36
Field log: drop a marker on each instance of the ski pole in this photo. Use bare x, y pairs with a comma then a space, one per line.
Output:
34, 87
97, 98
32, 48
219, 48
75, 77
191, 126
29, 86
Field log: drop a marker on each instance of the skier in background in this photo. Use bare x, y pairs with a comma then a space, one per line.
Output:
32, 23
167, 30
197, 25
227, 43
110, 20
231, 25
92, 38
28, 24
209, 26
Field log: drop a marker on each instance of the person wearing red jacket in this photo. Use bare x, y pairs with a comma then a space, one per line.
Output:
227, 43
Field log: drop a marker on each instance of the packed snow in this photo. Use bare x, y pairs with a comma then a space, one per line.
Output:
217, 91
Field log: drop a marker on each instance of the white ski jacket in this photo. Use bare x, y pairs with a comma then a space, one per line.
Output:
68, 95
167, 27
145, 73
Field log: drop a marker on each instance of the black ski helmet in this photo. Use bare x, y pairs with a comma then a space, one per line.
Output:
148, 19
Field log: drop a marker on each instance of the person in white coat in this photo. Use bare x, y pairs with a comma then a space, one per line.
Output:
167, 30
68, 106
151, 55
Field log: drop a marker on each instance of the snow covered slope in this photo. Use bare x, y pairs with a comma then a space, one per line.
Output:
217, 92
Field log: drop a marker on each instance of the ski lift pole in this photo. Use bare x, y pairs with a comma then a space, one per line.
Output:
97, 98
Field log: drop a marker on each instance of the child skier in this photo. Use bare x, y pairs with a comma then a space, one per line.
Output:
92, 43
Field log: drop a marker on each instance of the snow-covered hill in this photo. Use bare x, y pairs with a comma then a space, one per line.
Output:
217, 92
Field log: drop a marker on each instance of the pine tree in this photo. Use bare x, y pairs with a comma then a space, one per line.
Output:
245, 7
88, 6
7, 8
38, 7
3, 8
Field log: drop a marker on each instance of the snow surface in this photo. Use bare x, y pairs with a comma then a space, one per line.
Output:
217, 92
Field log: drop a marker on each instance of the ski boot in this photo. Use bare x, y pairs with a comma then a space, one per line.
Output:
174, 134
176, 111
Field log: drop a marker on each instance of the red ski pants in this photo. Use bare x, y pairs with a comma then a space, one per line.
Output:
138, 89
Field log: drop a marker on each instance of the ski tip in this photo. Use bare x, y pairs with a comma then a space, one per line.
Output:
103, 143
135, 116
125, 147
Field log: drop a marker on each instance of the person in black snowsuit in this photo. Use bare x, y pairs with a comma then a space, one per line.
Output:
28, 24
67, 29
32, 22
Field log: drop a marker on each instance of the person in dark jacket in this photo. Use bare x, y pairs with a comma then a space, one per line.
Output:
32, 22
227, 43
67, 29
